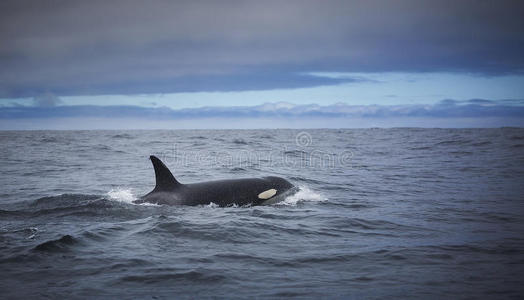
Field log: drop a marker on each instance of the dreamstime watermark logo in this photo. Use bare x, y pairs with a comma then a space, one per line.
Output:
303, 139
301, 155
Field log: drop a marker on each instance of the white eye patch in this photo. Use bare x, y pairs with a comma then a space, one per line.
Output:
267, 194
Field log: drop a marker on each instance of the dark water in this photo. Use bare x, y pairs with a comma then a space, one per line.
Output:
382, 213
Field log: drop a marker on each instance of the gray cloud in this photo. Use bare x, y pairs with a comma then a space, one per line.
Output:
124, 47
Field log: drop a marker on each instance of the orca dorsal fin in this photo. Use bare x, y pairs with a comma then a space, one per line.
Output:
165, 181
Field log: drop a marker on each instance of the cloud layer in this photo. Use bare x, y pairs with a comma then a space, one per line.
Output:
474, 108
129, 47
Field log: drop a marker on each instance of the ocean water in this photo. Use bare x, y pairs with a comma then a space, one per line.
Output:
381, 213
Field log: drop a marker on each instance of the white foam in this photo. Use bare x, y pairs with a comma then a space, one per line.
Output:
211, 205
34, 231
122, 195
304, 194
126, 196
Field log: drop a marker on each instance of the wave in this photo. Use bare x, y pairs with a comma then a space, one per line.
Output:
421, 148
163, 276
306, 180
484, 143
197, 137
240, 142
47, 139
296, 153
59, 245
364, 226
452, 142
122, 136
64, 199
264, 136
115, 204
60, 205
517, 137
237, 170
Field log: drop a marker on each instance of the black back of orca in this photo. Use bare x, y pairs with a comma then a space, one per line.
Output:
244, 191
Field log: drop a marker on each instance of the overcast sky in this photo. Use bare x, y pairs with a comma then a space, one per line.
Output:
180, 55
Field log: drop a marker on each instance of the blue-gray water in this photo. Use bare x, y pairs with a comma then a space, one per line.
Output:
382, 213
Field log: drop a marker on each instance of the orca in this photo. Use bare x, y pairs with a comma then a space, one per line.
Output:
244, 191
